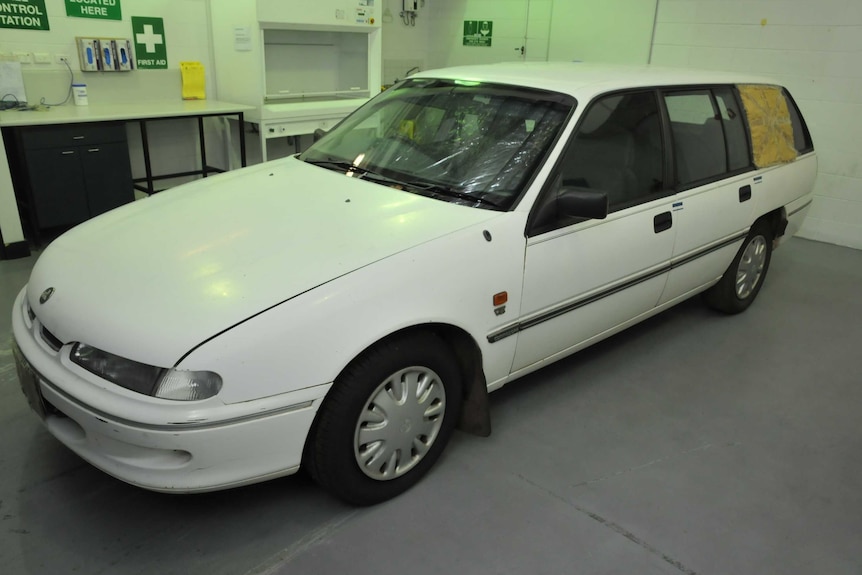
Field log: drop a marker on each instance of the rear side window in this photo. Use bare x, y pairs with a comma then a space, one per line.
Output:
732, 120
698, 137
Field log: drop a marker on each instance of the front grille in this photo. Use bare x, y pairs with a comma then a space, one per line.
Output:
51, 339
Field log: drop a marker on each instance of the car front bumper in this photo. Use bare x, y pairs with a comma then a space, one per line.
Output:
161, 445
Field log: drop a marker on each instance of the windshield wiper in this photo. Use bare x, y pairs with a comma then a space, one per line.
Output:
441, 190
338, 164
428, 187
363, 173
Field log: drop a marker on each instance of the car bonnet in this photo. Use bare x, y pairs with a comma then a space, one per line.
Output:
152, 279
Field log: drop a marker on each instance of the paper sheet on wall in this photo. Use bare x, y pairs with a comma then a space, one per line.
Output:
11, 84
194, 83
242, 39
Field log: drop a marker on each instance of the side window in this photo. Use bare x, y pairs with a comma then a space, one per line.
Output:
801, 137
617, 149
738, 156
698, 139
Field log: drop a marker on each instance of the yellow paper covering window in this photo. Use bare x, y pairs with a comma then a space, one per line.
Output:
769, 121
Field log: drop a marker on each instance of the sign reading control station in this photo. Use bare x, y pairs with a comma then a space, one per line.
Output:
24, 15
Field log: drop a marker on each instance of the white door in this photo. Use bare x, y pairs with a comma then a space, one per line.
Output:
506, 31
583, 279
713, 167
538, 31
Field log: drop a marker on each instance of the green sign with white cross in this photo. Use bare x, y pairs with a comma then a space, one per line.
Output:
478, 32
24, 15
148, 34
102, 9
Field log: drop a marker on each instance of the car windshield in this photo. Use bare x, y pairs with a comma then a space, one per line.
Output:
465, 142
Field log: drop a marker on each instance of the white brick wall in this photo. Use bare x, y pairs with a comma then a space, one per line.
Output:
815, 49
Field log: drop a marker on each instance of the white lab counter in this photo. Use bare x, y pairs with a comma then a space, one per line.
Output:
12, 241
292, 118
69, 114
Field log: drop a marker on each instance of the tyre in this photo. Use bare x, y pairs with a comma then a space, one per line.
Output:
386, 419
742, 281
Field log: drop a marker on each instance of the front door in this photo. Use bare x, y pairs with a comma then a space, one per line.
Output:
583, 279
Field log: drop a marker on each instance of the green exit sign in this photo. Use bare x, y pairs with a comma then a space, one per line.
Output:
478, 32
102, 9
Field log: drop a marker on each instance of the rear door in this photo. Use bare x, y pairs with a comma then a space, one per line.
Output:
714, 175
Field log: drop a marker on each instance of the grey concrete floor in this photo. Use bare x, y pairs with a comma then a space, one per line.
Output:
693, 443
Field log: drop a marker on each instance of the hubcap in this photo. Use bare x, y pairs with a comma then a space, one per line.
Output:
399, 423
750, 267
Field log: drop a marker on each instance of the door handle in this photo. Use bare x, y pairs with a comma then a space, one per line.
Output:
662, 222
744, 193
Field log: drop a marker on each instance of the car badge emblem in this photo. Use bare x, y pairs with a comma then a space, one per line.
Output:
46, 295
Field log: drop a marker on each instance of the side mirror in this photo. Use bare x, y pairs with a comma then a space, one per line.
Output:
319, 133
578, 202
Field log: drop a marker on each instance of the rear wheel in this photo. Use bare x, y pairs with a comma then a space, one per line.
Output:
742, 281
386, 419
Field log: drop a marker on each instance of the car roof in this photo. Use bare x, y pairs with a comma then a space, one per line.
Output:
583, 79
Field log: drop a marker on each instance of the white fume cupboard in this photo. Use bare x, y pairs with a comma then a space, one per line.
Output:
303, 64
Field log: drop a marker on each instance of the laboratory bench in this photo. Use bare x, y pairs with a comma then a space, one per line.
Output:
71, 163
296, 118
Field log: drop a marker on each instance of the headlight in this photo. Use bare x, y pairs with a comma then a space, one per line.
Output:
147, 379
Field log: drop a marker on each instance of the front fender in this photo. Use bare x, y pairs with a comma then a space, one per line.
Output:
309, 339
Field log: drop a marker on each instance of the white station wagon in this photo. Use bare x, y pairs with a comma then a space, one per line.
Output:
345, 309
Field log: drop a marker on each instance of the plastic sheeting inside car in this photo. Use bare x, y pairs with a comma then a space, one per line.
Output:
769, 121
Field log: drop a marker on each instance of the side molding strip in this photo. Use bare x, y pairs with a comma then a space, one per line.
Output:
552, 313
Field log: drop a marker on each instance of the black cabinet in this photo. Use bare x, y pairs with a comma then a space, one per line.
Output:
72, 172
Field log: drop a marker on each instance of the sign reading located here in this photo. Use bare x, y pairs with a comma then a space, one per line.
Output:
478, 32
102, 9
24, 15
148, 34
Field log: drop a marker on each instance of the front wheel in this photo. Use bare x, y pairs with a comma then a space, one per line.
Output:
386, 419
742, 281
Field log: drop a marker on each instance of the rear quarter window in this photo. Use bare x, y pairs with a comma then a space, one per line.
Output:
778, 134
801, 137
